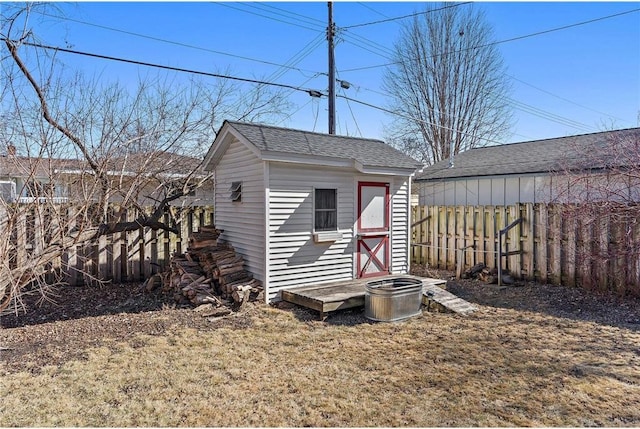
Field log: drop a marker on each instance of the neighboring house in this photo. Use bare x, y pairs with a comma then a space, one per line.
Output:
148, 175
307, 208
27, 179
533, 171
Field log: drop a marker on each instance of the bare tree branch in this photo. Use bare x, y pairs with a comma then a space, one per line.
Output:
598, 185
103, 149
448, 85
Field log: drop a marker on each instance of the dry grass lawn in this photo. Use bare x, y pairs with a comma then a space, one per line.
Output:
498, 367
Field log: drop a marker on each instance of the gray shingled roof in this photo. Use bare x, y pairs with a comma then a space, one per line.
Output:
21, 166
152, 162
372, 153
539, 156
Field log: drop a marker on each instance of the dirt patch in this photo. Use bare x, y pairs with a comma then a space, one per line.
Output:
59, 328
62, 327
558, 301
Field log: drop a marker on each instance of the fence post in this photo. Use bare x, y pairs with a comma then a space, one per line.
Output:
101, 270
555, 235
569, 270
134, 239
147, 237
503, 233
451, 237
515, 243
490, 225
481, 255
460, 260
635, 267
116, 248
541, 254
470, 235
71, 261
528, 255
433, 250
603, 260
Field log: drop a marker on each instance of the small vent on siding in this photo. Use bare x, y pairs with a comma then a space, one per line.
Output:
236, 191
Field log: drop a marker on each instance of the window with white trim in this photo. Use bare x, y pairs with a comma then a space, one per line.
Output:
325, 207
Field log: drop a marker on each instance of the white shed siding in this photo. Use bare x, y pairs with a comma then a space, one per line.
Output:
294, 258
242, 222
399, 225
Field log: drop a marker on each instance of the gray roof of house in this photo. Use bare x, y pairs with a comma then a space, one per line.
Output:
581, 152
34, 167
373, 153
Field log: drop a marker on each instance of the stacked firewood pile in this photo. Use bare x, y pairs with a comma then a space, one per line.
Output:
208, 273
487, 275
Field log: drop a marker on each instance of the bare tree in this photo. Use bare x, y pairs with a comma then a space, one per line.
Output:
113, 149
447, 85
597, 184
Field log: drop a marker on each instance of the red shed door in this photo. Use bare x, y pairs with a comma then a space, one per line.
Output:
373, 229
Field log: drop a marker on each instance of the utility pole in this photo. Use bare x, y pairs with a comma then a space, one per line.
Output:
332, 72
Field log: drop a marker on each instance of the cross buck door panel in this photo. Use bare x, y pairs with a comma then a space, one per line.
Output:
373, 229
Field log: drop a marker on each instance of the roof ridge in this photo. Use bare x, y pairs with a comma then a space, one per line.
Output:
558, 138
274, 127
533, 156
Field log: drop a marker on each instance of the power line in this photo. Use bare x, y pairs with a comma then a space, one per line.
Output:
179, 69
265, 16
549, 116
281, 12
566, 26
355, 121
373, 106
405, 16
527, 108
291, 67
295, 59
366, 6
362, 39
564, 99
185, 45
366, 41
370, 50
298, 57
309, 91
282, 121
507, 40
315, 121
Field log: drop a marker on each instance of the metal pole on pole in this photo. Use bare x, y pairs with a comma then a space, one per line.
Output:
332, 72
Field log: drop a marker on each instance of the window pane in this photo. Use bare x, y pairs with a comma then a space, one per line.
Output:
326, 214
326, 199
326, 221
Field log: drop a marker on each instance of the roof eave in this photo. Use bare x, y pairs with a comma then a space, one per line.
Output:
218, 147
437, 178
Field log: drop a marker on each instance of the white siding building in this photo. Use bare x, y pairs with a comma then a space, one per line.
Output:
539, 171
306, 208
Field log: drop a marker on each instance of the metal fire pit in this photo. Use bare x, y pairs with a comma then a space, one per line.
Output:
393, 299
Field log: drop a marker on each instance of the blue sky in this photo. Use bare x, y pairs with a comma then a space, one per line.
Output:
572, 81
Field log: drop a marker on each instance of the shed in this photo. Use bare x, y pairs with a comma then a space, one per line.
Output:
307, 208
526, 172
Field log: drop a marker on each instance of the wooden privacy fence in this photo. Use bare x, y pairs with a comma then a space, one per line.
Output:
546, 243
122, 257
